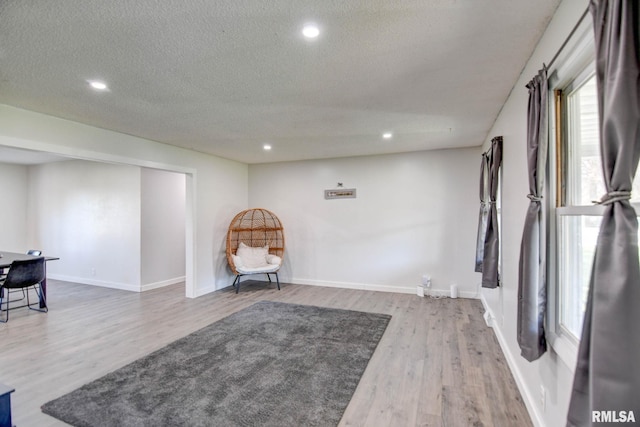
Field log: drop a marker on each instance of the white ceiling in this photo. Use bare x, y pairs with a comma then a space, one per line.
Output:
227, 76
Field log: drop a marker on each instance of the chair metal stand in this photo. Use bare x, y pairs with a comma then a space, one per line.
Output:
236, 281
41, 299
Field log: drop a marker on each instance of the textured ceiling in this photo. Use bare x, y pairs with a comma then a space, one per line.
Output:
225, 77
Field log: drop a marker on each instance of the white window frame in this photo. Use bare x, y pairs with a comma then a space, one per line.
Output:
576, 56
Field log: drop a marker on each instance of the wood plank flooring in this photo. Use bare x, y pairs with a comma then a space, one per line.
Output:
438, 364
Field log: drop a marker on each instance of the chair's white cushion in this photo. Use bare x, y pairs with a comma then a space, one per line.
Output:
249, 260
264, 269
253, 257
237, 261
274, 259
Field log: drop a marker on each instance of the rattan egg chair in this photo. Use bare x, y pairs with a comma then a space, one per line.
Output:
255, 244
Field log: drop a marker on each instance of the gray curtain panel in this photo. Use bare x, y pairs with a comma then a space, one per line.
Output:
532, 287
484, 212
607, 376
491, 258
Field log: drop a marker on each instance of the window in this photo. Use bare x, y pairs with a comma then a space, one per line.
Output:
575, 182
580, 183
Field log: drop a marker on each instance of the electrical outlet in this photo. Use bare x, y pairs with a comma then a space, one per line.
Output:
93, 271
543, 397
426, 280
488, 319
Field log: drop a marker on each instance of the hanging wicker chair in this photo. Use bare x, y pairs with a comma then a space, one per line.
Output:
255, 234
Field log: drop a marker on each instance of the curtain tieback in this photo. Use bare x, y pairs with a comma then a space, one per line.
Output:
613, 196
534, 198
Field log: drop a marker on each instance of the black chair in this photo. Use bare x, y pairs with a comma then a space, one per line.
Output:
34, 252
3, 274
23, 275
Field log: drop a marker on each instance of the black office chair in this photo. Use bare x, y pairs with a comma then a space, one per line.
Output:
23, 275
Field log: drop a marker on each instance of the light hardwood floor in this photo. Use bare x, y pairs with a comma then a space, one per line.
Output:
437, 364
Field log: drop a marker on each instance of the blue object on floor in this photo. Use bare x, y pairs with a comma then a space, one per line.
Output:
5, 405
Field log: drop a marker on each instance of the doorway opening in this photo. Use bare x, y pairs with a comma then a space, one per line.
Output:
165, 198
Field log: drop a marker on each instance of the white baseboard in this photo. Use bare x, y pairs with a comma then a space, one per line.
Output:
92, 282
117, 285
529, 401
163, 283
352, 285
381, 288
203, 291
447, 293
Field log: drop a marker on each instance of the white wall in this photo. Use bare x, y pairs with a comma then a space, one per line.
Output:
13, 208
216, 188
548, 372
162, 228
111, 225
414, 213
88, 214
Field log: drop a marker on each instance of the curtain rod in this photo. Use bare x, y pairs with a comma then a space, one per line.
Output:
568, 38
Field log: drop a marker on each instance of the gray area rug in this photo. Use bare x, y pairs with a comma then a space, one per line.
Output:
270, 364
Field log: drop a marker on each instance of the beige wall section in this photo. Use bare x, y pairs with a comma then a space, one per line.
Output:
216, 188
549, 376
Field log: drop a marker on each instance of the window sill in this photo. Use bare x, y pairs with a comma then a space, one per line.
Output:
566, 349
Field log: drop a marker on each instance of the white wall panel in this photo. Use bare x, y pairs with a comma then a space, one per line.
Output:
88, 214
13, 208
414, 213
162, 239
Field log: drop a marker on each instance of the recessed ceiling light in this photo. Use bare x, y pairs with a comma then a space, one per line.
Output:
266, 147
98, 85
387, 135
310, 31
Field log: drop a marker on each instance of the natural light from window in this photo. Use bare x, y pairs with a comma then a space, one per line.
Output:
578, 229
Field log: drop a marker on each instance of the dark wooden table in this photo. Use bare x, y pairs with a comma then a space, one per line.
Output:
6, 258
